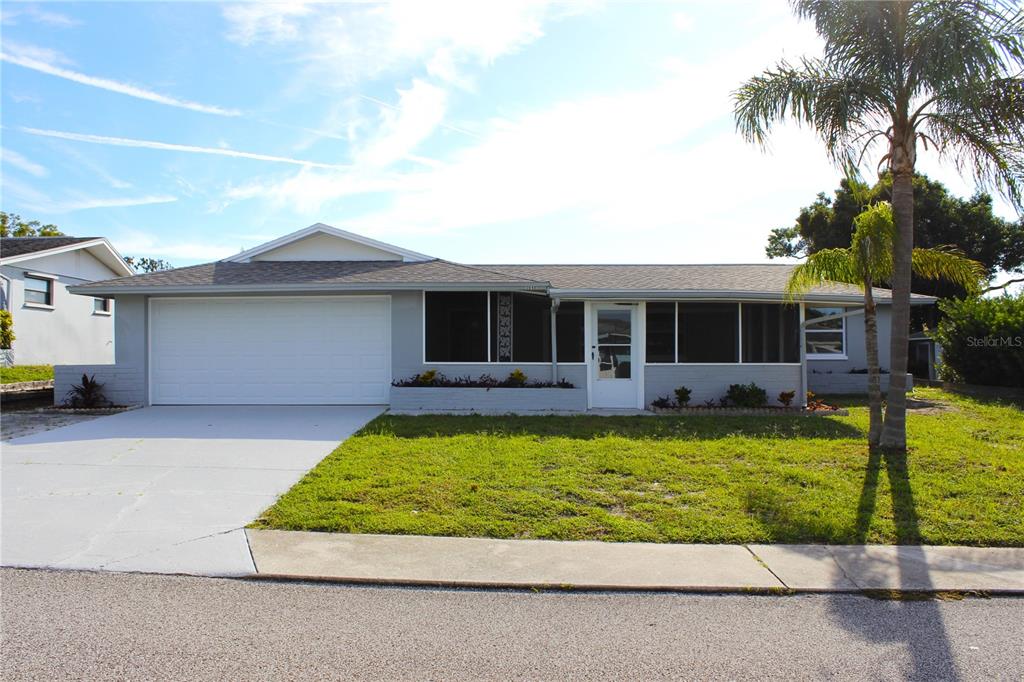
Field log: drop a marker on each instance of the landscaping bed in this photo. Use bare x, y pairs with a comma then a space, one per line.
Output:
676, 479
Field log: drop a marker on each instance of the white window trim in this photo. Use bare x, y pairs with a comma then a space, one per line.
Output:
52, 293
101, 313
809, 329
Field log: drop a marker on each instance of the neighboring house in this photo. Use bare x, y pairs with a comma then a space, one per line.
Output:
326, 316
51, 325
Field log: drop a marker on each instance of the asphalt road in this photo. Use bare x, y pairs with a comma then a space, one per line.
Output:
71, 625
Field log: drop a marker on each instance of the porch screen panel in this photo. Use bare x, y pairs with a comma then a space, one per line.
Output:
771, 333
709, 332
456, 326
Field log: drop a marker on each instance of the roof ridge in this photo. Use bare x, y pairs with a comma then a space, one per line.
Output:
624, 265
492, 272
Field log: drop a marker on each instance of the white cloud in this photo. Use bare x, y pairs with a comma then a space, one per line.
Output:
134, 242
18, 161
44, 62
10, 15
346, 43
32, 199
682, 22
420, 110
167, 146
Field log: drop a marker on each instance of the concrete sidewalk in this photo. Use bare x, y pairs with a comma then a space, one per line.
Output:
479, 562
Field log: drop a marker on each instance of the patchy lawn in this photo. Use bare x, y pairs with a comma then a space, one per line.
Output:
12, 375
675, 479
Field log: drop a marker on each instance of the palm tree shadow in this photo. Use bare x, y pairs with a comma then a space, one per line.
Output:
917, 623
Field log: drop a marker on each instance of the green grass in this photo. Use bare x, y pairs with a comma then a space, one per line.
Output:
12, 375
675, 479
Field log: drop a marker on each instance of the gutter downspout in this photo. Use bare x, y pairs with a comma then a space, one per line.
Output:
554, 339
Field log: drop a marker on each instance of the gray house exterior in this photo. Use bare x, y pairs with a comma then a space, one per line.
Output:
52, 325
323, 316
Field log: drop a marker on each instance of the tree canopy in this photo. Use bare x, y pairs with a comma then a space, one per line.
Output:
940, 219
12, 225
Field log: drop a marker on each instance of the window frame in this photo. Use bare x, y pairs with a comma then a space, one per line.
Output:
50, 290
739, 341
490, 360
810, 329
105, 310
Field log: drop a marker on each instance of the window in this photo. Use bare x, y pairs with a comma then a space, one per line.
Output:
708, 332
661, 332
101, 306
38, 290
771, 333
520, 327
825, 339
569, 324
456, 326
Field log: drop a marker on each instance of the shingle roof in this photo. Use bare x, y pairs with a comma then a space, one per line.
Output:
313, 274
763, 278
759, 280
19, 246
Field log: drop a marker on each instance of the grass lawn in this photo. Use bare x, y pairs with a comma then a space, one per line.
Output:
12, 375
675, 479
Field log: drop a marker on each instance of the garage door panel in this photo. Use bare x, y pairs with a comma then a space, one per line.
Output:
313, 350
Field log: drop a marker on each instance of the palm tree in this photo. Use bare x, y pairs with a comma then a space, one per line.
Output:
945, 73
870, 260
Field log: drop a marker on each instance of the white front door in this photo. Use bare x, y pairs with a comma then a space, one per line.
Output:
614, 355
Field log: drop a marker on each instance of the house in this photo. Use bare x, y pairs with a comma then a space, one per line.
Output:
50, 324
324, 316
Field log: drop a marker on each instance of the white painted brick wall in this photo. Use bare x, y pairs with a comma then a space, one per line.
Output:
501, 400
122, 385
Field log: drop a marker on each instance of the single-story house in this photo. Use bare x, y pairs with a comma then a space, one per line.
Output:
324, 316
51, 325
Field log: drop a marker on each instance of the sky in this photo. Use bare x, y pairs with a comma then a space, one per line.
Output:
478, 132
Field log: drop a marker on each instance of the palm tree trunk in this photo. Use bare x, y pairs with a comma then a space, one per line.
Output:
874, 382
894, 431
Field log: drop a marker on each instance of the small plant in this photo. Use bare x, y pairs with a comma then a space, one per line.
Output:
747, 395
786, 397
683, 396
87, 394
428, 378
723, 401
6, 329
663, 402
816, 404
710, 402
516, 378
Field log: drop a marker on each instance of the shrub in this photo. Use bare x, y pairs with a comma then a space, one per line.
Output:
786, 397
982, 340
683, 396
747, 395
516, 378
6, 329
664, 402
815, 403
89, 393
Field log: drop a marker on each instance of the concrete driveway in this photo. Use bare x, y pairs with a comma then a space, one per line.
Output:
161, 489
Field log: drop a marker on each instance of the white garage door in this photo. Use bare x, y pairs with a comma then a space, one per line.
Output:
266, 351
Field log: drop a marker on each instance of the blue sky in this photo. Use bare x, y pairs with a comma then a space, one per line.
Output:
477, 132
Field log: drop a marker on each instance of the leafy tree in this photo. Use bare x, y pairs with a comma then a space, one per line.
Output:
12, 225
983, 340
145, 264
945, 73
939, 218
867, 261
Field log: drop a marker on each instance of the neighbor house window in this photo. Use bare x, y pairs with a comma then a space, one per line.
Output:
101, 305
771, 333
456, 326
708, 332
38, 290
825, 339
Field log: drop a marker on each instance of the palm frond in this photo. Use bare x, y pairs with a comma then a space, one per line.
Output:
834, 104
950, 264
827, 265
